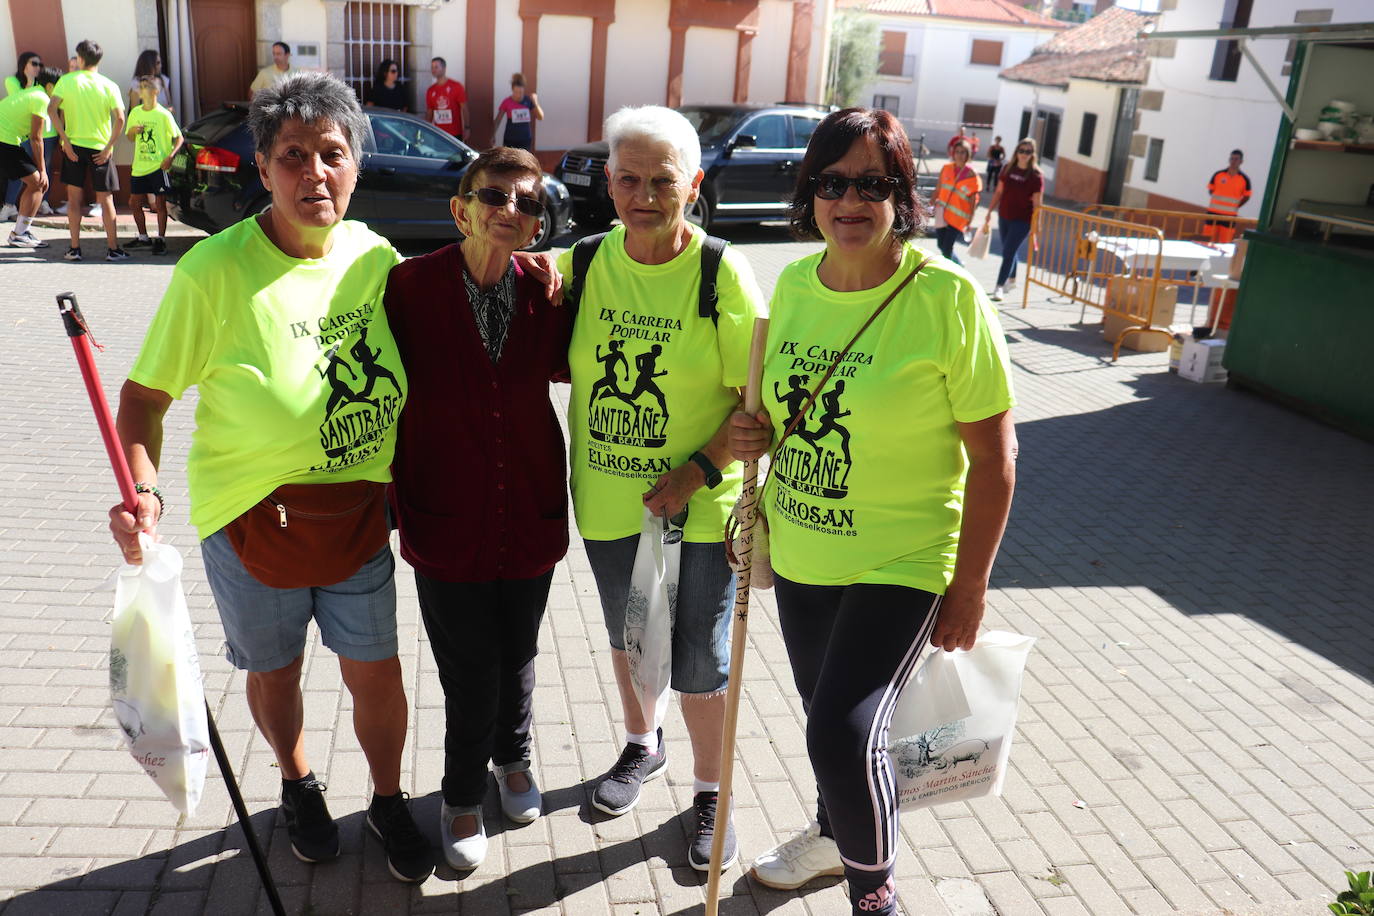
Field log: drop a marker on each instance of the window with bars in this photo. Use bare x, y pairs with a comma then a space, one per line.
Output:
374, 32
888, 103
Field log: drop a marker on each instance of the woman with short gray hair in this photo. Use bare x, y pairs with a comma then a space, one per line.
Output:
655, 371
278, 322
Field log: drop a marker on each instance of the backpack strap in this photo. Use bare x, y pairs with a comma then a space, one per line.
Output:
708, 301
583, 253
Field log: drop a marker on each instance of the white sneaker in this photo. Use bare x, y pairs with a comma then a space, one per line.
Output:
45, 209
61, 209
465, 853
806, 856
1010, 284
997, 295
8, 212
520, 807
26, 240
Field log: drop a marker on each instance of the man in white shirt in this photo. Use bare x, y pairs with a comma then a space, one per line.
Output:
275, 72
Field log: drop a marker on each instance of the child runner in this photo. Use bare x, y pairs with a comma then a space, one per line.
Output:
24, 117
156, 140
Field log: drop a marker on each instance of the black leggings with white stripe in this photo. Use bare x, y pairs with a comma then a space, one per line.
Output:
852, 649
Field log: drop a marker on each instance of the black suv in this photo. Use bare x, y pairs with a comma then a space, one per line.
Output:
750, 154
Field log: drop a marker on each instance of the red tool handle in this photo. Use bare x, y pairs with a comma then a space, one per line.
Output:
75, 323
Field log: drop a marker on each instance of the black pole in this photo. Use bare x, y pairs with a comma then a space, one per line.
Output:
237, 797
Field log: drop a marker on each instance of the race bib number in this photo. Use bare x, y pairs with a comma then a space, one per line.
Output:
443, 116
520, 115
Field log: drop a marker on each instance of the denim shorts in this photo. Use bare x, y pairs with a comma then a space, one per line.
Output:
705, 598
265, 627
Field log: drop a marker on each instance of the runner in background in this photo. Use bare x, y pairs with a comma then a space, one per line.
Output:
520, 111
156, 139
446, 101
24, 155
88, 111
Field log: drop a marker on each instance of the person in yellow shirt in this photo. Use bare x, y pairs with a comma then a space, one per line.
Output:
275, 72
278, 322
23, 119
88, 111
156, 139
886, 511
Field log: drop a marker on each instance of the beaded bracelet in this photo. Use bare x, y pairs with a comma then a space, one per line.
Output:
149, 488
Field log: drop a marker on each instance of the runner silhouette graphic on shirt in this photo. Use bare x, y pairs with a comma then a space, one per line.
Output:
609, 384
794, 399
830, 404
372, 371
339, 392
646, 363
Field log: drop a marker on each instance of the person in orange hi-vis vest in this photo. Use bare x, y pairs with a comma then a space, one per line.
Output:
1229, 189
955, 200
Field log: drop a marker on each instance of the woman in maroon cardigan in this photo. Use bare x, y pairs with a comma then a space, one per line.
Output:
480, 488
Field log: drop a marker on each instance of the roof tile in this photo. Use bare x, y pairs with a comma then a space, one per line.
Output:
1106, 47
1006, 12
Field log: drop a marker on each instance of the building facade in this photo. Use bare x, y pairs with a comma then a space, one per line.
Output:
939, 63
584, 58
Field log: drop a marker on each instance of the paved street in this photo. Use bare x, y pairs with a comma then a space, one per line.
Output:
1194, 734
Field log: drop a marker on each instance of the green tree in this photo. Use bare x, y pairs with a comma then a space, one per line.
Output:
854, 47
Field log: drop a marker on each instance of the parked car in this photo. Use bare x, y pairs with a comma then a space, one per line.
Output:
410, 169
750, 154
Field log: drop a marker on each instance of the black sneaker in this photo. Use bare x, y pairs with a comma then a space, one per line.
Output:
313, 833
619, 791
117, 254
139, 242
73, 254
159, 246
699, 853
408, 855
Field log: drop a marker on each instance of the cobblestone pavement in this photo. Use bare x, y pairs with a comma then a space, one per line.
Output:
1194, 733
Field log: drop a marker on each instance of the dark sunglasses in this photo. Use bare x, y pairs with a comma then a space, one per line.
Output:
1025, 149
530, 206
35, 63
870, 187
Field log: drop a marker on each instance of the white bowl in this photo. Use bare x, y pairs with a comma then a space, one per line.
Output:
1327, 128
1306, 133
1341, 104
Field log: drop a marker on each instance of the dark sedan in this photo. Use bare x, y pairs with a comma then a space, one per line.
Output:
410, 169
749, 153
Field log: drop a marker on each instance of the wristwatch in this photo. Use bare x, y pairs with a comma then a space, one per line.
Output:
713, 475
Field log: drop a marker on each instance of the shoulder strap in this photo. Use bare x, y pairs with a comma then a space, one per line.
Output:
708, 299
583, 252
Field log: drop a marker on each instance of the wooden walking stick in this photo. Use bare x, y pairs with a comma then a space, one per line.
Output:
747, 509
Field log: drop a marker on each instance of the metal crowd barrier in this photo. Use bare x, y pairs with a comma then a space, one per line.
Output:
1071, 259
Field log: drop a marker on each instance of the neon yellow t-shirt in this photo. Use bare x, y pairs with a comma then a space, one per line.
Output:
652, 381
12, 86
17, 111
87, 100
870, 486
299, 377
154, 144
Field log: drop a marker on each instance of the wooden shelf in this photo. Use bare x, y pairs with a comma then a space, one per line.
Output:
1334, 146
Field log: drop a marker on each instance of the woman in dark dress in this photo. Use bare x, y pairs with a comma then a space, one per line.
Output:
386, 91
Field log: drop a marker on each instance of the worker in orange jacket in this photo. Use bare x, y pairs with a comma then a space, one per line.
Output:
956, 198
1229, 189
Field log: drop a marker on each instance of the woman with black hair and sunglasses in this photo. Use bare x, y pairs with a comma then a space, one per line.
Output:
886, 507
480, 483
387, 92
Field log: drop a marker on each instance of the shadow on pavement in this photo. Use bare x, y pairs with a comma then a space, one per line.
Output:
1217, 501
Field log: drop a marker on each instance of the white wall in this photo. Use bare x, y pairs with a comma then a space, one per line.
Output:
118, 38
1083, 97
8, 52
768, 71
509, 34
450, 34
302, 21
708, 69
563, 88
637, 46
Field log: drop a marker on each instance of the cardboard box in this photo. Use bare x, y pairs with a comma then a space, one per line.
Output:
1127, 294
1175, 352
1201, 361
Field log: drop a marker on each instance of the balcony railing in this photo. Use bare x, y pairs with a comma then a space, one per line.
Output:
891, 63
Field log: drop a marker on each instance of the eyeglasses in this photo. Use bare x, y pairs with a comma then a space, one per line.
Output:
494, 197
35, 63
870, 187
1024, 149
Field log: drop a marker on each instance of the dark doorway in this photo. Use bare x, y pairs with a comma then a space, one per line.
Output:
225, 43
1122, 129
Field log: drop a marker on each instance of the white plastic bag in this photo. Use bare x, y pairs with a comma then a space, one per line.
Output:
155, 679
650, 611
978, 248
954, 722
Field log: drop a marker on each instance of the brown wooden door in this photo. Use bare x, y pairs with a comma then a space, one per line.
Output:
225, 42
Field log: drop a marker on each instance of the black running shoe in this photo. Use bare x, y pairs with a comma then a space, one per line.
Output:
117, 254
73, 254
139, 243
314, 835
699, 853
619, 791
159, 246
408, 854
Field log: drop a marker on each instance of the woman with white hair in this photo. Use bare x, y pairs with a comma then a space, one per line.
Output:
649, 430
